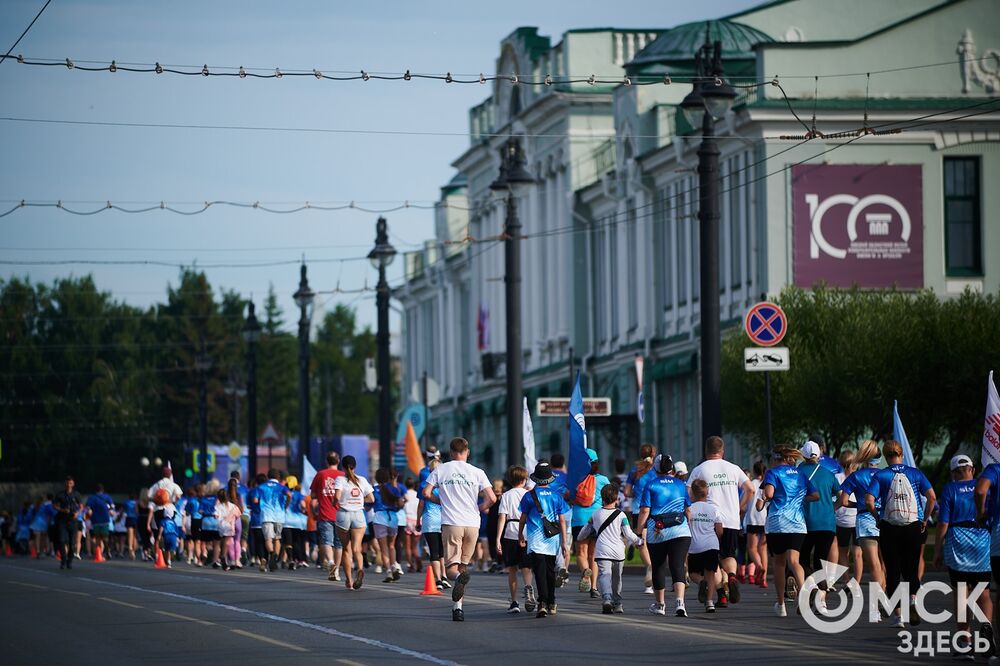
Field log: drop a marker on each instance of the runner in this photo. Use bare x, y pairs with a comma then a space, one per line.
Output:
610, 527
703, 555
99, 513
131, 522
350, 494
272, 498
412, 533
852, 495
388, 500
173, 494
429, 525
322, 491
542, 531
583, 509
821, 521
753, 524
785, 490
258, 552
663, 521
725, 481
237, 498
294, 527
227, 516
847, 520
168, 533
460, 485
515, 558
642, 471
66, 505
963, 544
903, 522
210, 524
558, 462
987, 496
41, 520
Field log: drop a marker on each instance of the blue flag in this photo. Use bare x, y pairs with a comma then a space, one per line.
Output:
579, 463
899, 435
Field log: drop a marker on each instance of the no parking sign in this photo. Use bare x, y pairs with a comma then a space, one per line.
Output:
766, 324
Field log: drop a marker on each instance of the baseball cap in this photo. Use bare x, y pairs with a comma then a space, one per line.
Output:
961, 460
810, 450
680, 467
592, 454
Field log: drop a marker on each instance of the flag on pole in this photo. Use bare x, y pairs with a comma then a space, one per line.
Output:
579, 463
529, 440
414, 459
308, 473
899, 434
991, 427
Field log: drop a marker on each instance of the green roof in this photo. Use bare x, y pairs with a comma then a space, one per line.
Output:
678, 45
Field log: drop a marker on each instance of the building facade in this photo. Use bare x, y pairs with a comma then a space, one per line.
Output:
610, 262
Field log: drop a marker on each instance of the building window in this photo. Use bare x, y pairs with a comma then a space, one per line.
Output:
664, 259
678, 216
962, 223
633, 258
600, 283
612, 284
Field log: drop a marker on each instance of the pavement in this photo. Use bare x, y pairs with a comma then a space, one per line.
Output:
123, 612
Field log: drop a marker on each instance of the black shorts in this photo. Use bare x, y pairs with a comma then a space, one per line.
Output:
514, 555
435, 545
845, 537
209, 535
995, 565
705, 561
729, 542
131, 522
196, 529
755, 529
575, 531
158, 519
970, 577
816, 548
778, 543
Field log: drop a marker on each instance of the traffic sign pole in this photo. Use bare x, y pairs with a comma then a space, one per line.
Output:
767, 400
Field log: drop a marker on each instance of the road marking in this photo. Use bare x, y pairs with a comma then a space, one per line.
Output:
37, 587
272, 641
178, 616
79, 594
350, 662
120, 603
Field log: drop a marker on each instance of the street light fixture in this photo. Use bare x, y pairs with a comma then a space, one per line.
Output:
513, 179
251, 335
304, 298
203, 363
381, 257
711, 98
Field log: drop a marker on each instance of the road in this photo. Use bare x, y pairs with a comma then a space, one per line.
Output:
128, 612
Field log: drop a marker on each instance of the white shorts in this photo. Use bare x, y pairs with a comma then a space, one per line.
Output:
271, 530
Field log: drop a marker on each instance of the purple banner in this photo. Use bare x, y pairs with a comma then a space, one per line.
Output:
858, 224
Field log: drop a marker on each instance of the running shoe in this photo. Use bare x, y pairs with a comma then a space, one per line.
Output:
709, 607
897, 622
541, 612
459, 591
388, 579
703, 591
821, 604
723, 600
594, 594
790, 591
562, 577
457, 615
607, 607
396, 574
584, 581
679, 609
444, 583
513, 609
734, 589
334, 575
359, 579
657, 609
649, 590
378, 568
914, 615
552, 608
779, 610
216, 565
986, 631
263, 566
529, 599
618, 609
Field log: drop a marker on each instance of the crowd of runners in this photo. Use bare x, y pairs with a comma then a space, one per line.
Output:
716, 527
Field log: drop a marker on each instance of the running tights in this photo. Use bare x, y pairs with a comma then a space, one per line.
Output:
815, 549
544, 568
902, 548
256, 543
298, 544
234, 544
672, 554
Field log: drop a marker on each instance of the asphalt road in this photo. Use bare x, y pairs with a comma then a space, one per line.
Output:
128, 612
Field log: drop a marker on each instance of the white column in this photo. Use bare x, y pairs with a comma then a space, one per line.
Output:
562, 283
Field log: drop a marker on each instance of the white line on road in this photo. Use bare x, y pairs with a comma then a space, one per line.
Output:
178, 616
272, 641
120, 603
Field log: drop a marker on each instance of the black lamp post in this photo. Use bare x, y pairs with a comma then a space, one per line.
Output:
513, 179
304, 297
202, 363
710, 99
251, 334
381, 256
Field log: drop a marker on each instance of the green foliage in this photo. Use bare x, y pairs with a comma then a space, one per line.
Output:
855, 351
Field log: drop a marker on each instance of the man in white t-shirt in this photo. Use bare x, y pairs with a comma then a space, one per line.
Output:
460, 486
724, 481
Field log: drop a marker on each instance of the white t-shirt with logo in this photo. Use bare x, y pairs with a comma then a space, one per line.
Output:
704, 516
352, 496
724, 480
459, 485
510, 506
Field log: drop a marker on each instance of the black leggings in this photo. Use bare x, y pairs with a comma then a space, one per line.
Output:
815, 548
544, 568
671, 553
256, 539
902, 548
435, 545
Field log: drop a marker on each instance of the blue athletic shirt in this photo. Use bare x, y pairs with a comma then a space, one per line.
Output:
295, 517
430, 521
243, 491
132, 509
253, 507
785, 514
209, 522
582, 514
98, 505
992, 472
386, 515
665, 494
882, 482
193, 507
553, 505
273, 498
830, 465
820, 516
559, 486
966, 548
639, 487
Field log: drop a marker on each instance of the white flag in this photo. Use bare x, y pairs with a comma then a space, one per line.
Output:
308, 473
991, 424
529, 441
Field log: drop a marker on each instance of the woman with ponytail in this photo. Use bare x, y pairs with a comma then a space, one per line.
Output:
785, 490
388, 500
351, 492
852, 494
635, 483
753, 523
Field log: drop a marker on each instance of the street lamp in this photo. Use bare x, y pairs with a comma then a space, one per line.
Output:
513, 180
251, 334
381, 257
202, 363
304, 298
710, 99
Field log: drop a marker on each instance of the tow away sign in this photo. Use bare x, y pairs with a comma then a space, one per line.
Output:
761, 359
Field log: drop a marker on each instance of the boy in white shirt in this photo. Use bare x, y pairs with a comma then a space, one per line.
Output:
703, 555
508, 548
612, 530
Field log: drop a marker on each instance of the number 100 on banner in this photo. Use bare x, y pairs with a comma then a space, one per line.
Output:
765, 359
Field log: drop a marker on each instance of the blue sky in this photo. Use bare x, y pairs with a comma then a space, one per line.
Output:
47, 162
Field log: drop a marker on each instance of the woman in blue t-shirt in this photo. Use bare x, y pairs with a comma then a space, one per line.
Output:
784, 491
852, 494
388, 497
635, 483
663, 520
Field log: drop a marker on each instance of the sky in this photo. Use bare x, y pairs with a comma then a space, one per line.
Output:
86, 163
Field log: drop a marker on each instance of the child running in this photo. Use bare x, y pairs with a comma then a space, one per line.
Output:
611, 529
515, 557
543, 532
703, 555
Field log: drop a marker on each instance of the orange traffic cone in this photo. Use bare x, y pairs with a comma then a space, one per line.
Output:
160, 562
59, 555
430, 585
98, 555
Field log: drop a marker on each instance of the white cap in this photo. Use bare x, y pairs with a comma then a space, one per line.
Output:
810, 450
680, 467
961, 460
